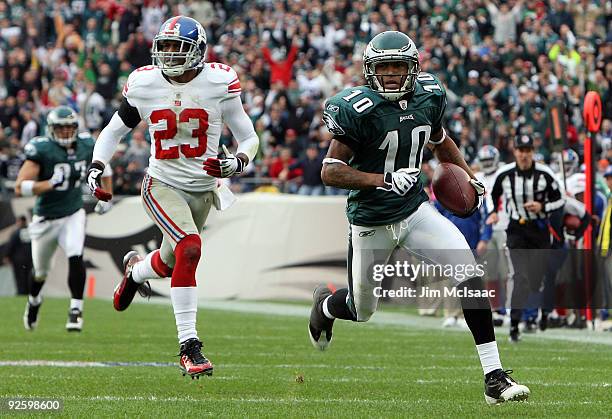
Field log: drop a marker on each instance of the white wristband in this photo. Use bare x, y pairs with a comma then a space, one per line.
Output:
441, 139
331, 160
27, 188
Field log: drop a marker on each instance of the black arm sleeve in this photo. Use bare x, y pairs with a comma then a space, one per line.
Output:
496, 193
128, 114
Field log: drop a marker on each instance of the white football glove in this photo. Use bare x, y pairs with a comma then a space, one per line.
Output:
102, 207
400, 181
224, 167
94, 176
58, 177
480, 192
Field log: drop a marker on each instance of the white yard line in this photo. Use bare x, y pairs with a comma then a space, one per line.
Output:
267, 400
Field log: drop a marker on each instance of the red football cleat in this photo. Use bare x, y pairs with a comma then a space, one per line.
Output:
192, 362
127, 288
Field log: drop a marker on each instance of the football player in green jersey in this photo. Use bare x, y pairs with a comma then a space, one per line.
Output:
53, 171
380, 131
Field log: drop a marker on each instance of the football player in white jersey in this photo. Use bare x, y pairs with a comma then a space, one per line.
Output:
498, 267
185, 102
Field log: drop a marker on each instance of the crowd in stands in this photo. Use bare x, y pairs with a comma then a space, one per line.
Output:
503, 63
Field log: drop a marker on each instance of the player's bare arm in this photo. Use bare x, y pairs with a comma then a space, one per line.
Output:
336, 171
27, 185
447, 151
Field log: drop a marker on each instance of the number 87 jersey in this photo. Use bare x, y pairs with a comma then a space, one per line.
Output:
185, 120
385, 136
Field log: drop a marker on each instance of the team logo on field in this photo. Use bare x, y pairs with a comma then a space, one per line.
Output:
332, 125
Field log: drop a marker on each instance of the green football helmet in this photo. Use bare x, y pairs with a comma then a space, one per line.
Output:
58, 122
391, 46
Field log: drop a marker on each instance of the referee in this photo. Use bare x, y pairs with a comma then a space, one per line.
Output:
531, 191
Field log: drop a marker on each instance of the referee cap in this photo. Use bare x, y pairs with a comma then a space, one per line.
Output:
523, 141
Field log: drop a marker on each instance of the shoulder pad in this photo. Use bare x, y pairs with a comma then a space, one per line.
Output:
428, 82
343, 112
140, 78
220, 73
36, 147
86, 138
354, 101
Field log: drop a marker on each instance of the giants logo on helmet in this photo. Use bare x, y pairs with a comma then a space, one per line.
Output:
172, 28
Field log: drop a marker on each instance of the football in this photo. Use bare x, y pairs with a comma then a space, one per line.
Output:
452, 188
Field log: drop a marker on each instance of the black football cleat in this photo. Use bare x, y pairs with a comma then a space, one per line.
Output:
30, 317
75, 320
126, 290
543, 324
500, 387
530, 326
192, 362
319, 323
515, 335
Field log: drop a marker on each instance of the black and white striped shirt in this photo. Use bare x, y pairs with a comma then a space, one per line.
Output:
520, 186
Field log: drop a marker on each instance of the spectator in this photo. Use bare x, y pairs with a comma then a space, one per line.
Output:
92, 106
311, 166
281, 66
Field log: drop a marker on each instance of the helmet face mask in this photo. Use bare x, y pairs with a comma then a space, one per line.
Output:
179, 46
62, 125
391, 48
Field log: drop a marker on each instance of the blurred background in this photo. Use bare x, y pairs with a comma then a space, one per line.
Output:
503, 63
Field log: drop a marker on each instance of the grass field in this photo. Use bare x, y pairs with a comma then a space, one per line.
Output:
370, 370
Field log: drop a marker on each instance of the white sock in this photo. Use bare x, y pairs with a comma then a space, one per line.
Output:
143, 270
185, 304
489, 357
35, 300
326, 309
74, 303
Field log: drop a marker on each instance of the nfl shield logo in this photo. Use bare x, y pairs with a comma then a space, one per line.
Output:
177, 103
403, 104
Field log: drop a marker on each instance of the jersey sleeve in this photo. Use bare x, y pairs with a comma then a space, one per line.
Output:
341, 122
